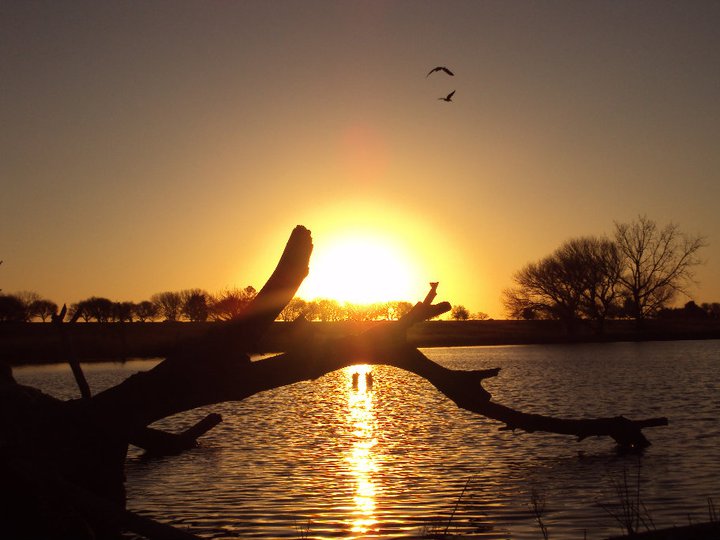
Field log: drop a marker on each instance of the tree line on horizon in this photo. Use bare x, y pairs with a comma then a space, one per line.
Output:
197, 305
634, 275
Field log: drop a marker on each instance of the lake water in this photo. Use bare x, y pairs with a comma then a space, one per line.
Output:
325, 459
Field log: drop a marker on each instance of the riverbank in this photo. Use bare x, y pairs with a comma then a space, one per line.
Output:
30, 343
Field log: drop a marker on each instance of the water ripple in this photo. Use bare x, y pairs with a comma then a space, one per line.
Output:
338, 458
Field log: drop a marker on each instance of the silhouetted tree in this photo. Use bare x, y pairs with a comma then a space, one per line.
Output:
12, 309
123, 311
600, 266
229, 304
460, 313
549, 289
26, 298
480, 316
693, 311
195, 305
312, 310
329, 310
43, 309
146, 311
169, 304
293, 309
579, 280
100, 309
712, 309
399, 309
658, 263
78, 310
689, 311
366, 312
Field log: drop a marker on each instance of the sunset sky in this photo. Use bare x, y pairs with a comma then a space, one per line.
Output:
151, 146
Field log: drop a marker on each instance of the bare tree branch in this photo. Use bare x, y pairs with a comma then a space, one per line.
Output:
659, 263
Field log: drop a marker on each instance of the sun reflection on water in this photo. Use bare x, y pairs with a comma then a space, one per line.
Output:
362, 459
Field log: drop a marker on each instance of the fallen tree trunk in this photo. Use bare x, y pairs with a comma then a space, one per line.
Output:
234, 382
84, 442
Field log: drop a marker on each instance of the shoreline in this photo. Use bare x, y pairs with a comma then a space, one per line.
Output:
35, 343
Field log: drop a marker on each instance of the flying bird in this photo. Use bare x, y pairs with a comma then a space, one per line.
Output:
448, 98
440, 68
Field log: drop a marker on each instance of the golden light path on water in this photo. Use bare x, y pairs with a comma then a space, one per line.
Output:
361, 460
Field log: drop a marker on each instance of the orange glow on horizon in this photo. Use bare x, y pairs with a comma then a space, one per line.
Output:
372, 251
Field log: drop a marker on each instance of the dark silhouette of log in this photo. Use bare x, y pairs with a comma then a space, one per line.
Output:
84, 442
155, 442
69, 351
158, 443
464, 388
386, 345
213, 369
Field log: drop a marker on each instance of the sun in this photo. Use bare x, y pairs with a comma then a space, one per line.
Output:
360, 267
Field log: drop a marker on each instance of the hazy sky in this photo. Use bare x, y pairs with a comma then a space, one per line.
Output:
149, 146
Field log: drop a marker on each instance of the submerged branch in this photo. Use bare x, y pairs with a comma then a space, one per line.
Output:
462, 389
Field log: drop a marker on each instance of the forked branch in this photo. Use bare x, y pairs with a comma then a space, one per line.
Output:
209, 372
464, 388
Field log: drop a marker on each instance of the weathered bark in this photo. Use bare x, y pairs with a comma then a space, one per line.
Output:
84, 442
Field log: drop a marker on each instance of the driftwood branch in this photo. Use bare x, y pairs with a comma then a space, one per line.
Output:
234, 381
242, 334
69, 350
464, 388
155, 442
202, 372
83, 443
158, 443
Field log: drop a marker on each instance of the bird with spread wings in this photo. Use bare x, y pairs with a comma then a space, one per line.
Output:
440, 68
448, 98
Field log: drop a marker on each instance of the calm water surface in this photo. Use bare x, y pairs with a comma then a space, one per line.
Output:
327, 459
